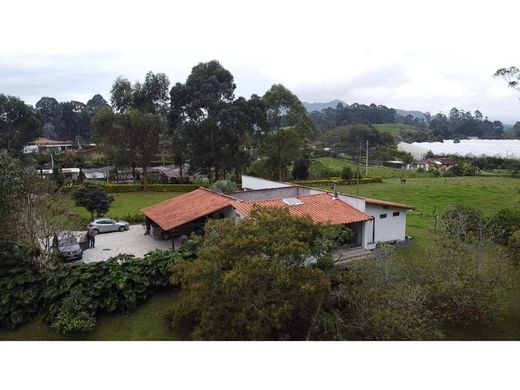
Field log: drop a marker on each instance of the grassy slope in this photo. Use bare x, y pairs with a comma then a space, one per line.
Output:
394, 128
489, 194
145, 323
383, 172
127, 203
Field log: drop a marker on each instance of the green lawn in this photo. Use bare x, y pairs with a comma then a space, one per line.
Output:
125, 204
145, 323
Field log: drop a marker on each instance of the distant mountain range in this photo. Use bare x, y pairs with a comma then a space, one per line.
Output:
333, 103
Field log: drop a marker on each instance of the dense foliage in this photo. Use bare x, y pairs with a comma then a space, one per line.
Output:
71, 297
250, 282
68, 120
19, 123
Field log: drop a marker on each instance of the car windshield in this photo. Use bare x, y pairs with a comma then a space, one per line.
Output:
68, 240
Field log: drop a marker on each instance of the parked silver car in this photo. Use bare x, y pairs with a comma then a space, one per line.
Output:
104, 225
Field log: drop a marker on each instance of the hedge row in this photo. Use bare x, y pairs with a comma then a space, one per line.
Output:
325, 182
119, 188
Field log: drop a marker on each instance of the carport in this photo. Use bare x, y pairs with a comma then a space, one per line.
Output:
185, 214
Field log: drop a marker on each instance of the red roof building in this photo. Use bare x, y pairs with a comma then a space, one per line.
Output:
180, 210
321, 208
372, 220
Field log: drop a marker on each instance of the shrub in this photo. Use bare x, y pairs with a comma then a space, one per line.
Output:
346, 173
504, 224
224, 186
513, 246
20, 294
21, 285
118, 284
76, 314
462, 221
120, 188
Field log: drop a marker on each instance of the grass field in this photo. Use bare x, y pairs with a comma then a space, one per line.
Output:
373, 171
125, 204
145, 323
489, 194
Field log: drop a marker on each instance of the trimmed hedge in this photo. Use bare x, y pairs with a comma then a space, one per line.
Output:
339, 180
120, 188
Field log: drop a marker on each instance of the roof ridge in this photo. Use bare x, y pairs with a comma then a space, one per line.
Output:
215, 192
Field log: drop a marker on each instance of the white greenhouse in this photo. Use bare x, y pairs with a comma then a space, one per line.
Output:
504, 148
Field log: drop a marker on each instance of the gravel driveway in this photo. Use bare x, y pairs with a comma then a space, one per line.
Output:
132, 242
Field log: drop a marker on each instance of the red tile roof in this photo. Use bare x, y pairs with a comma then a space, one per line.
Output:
185, 208
46, 141
320, 208
385, 203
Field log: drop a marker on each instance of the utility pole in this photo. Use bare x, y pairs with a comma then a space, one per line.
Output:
358, 163
366, 161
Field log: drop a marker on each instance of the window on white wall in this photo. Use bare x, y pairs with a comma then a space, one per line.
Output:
382, 216
396, 213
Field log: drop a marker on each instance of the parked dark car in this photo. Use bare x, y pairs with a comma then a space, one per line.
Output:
68, 247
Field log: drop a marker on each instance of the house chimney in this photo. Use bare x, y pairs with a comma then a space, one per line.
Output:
335, 195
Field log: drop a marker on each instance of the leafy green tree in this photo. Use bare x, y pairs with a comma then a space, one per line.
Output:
516, 129
93, 198
511, 75
283, 108
209, 128
250, 281
58, 177
12, 173
281, 148
151, 96
19, 124
129, 136
302, 166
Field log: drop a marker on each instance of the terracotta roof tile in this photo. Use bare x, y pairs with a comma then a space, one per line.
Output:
46, 141
320, 208
386, 203
185, 208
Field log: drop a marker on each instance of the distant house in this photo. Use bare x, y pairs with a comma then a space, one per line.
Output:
45, 145
97, 173
372, 221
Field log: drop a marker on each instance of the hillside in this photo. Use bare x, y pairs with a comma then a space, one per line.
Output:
318, 106
395, 128
310, 107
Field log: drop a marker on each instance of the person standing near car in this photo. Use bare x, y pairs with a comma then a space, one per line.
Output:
92, 234
87, 237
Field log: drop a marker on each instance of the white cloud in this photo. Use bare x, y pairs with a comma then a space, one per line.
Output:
407, 54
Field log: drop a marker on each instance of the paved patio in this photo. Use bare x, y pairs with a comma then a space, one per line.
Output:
133, 242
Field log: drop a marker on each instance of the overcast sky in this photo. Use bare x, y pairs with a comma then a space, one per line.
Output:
415, 55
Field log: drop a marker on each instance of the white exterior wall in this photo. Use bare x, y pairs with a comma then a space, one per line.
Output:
390, 228
357, 203
255, 183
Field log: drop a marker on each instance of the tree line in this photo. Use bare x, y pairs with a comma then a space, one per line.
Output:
457, 124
